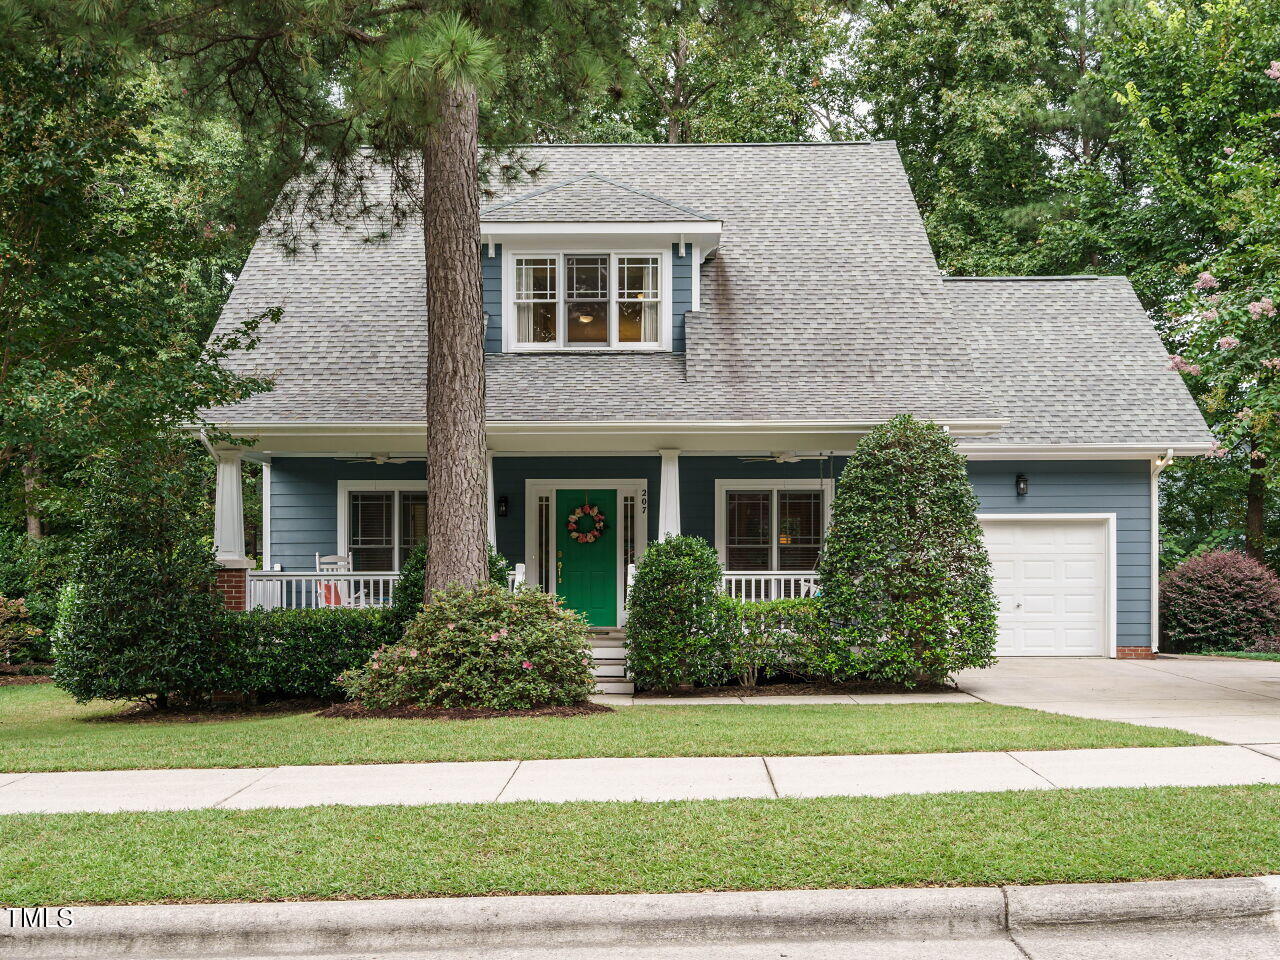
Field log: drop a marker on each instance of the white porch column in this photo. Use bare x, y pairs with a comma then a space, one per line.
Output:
669, 495
493, 504
228, 512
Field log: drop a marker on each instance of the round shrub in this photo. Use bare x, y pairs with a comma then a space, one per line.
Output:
482, 647
904, 570
675, 621
1220, 601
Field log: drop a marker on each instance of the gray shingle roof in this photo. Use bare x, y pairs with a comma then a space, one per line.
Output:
590, 198
822, 302
1074, 360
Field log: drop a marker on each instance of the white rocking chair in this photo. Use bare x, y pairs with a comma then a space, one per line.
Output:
332, 593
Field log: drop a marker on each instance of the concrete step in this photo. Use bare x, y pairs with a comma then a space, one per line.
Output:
609, 670
615, 686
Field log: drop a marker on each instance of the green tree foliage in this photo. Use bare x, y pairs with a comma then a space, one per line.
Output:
145, 622
676, 617
904, 570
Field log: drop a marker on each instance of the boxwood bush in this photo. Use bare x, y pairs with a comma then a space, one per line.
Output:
300, 653
482, 647
1223, 600
904, 570
772, 637
676, 620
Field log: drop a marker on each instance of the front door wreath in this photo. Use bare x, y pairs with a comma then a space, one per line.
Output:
586, 523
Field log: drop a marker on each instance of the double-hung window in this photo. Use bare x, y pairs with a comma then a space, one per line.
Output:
588, 300
773, 528
383, 527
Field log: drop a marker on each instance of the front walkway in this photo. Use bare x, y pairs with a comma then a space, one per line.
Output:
1236, 701
644, 779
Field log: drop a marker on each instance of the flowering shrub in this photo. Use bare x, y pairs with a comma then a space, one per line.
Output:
17, 632
484, 647
1220, 601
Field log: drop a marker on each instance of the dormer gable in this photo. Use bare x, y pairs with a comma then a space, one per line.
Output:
590, 263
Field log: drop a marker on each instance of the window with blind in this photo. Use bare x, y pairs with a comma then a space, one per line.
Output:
773, 529
383, 526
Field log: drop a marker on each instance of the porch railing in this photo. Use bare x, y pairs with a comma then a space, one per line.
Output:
768, 584
313, 591
294, 591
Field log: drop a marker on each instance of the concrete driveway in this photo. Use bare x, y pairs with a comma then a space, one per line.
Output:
1236, 701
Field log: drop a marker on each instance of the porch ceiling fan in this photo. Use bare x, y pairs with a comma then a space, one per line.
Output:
381, 458
784, 457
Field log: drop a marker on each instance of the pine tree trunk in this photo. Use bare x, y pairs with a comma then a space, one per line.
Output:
1255, 526
457, 495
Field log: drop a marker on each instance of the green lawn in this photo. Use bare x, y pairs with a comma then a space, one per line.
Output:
461, 850
42, 729
1240, 654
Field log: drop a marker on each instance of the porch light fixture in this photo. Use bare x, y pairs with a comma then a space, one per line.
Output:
501, 506
1020, 484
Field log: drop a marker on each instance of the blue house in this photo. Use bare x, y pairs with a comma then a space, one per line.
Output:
691, 339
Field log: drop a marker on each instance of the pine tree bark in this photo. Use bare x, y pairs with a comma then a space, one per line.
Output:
1255, 523
457, 512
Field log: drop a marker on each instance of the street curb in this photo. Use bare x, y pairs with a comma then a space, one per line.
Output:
220, 930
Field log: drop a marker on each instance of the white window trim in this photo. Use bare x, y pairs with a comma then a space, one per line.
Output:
510, 340
1109, 522
724, 486
348, 487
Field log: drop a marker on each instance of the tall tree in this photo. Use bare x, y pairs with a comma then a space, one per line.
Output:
340, 87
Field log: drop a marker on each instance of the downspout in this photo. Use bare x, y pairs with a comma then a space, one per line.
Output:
1157, 468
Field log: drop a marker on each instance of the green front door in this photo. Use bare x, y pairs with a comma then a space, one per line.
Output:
587, 572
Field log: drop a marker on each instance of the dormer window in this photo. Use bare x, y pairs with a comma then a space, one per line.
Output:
589, 300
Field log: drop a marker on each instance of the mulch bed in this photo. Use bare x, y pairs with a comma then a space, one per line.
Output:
356, 711
794, 690
21, 679
21, 674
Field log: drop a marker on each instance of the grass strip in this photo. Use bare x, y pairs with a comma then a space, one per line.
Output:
41, 728
1240, 654
460, 850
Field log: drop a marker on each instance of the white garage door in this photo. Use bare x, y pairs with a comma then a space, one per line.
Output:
1051, 580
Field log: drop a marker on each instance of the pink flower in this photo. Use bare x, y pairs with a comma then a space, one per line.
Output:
1274, 70
503, 631
1217, 450
1244, 414
493, 636
451, 625
1228, 343
526, 665
1210, 314
1181, 366
413, 654
1228, 150
1213, 298
400, 669
1263, 308
1206, 281
1272, 364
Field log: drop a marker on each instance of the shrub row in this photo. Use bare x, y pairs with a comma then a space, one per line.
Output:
1222, 600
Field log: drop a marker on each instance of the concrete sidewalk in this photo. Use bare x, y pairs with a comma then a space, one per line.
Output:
639, 778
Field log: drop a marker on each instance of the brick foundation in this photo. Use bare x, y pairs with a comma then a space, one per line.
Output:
1135, 653
233, 584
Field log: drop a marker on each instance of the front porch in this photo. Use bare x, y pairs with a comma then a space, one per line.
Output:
337, 530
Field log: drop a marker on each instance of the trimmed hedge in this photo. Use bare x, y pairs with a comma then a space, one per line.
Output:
300, 653
1220, 601
486, 647
676, 619
904, 569
771, 637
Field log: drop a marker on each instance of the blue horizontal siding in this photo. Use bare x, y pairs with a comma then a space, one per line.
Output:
682, 267
304, 503
491, 294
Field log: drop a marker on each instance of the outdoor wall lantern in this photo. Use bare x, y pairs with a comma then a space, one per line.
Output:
500, 508
1020, 484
